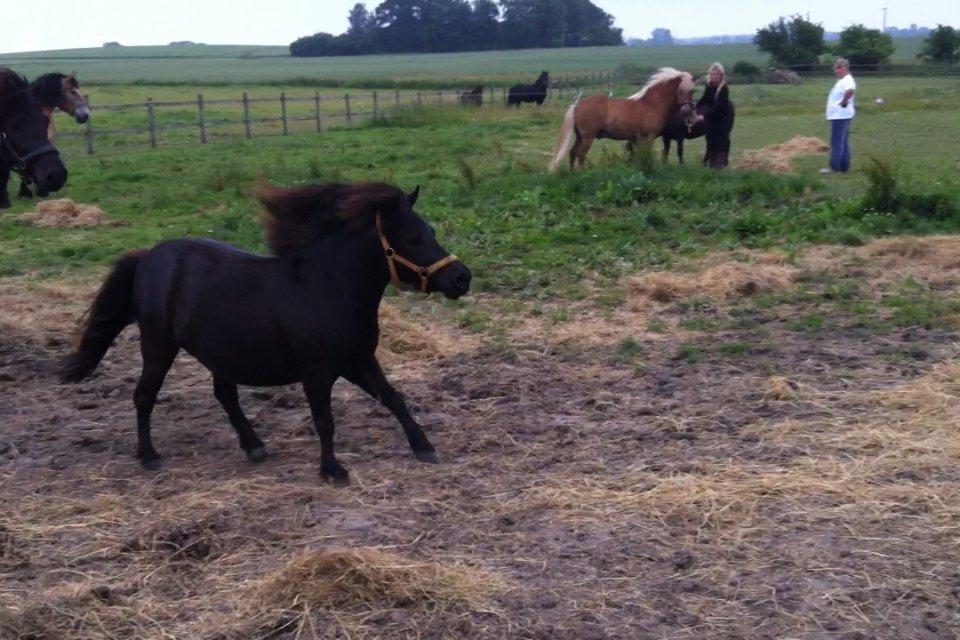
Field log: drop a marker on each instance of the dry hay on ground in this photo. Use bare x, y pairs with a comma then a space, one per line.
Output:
778, 157
722, 281
403, 339
64, 212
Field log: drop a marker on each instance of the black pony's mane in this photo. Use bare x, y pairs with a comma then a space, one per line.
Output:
298, 216
13, 92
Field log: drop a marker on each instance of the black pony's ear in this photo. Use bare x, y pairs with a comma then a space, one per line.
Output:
413, 195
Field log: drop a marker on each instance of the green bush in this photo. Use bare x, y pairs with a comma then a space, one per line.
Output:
746, 71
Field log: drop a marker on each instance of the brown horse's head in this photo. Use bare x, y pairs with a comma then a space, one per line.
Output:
61, 91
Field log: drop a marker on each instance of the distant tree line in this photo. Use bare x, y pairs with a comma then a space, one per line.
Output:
431, 26
799, 43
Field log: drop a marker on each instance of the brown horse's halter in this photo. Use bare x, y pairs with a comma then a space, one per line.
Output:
393, 257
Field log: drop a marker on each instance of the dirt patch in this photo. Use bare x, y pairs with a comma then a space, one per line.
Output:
808, 490
64, 212
778, 158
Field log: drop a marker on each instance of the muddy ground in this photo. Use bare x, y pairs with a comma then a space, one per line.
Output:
804, 486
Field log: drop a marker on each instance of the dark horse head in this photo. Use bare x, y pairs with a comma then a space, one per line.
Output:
61, 91
412, 256
24, 146
544, 79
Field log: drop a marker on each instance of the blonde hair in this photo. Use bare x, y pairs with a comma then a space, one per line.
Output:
718, 67
841, 62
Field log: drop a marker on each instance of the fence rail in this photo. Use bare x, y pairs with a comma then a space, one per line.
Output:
154, 123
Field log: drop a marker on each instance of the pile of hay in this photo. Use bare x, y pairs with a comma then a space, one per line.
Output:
64, 212
725, 280
366, 580
778, 158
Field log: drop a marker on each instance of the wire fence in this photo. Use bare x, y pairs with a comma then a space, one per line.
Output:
155, 123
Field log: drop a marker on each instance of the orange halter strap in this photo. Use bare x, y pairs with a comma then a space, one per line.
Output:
393, 257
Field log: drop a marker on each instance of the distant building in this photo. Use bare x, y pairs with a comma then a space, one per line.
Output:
184, 43
112, 45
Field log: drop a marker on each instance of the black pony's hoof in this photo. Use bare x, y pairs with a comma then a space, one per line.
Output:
337, 476
427, 456
258, 454
152, 464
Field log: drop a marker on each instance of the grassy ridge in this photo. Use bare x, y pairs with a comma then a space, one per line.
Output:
248, 64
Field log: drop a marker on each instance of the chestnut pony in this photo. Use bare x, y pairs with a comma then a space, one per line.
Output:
307, 314
642, 116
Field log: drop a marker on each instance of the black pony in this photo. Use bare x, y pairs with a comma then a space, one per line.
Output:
308, 314
679, 128
24, 146
536, 92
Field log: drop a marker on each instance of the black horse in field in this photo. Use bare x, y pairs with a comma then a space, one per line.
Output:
536, 92
678, 129
307, 314
24, 146
717, 123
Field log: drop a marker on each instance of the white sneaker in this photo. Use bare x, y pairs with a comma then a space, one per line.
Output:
825, 170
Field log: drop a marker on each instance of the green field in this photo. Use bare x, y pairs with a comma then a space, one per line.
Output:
227, 64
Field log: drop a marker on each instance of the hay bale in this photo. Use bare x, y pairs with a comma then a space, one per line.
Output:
722, 281
64, 212
777, 158
402, 337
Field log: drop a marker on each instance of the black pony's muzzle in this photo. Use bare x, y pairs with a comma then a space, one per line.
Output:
454, 280
48, 172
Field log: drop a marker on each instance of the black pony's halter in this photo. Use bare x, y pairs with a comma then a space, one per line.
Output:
17, 162
393, 257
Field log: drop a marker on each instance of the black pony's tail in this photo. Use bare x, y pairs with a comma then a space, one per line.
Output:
111, 311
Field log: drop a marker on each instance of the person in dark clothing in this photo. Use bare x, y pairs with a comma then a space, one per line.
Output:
716, 112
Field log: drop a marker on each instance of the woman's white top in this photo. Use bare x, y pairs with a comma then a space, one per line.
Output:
834, 110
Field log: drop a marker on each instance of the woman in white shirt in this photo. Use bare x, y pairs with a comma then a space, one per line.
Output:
840, 112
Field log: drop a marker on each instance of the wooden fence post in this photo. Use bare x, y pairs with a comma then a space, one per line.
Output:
419, 101
346, 99
440, 98
283, 112
201, 119
246, 114
376, 106
396, 97
316, 102
88, 130
152, 122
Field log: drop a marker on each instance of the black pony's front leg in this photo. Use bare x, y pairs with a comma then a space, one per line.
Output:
318, 389
369, 377
24, 190
4, 178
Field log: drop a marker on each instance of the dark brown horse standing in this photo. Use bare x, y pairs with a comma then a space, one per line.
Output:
24, 147
473, 97
641, 117
57, 91
308, 314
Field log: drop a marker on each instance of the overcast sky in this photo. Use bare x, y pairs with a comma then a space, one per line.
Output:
63, 24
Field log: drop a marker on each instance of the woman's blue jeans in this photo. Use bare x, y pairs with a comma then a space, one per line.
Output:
840, 144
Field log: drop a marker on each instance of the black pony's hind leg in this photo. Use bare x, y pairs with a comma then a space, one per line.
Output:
318, 389
666, 149
24, 190
370, 378
4, 177
157, 359
680, 150
226, 394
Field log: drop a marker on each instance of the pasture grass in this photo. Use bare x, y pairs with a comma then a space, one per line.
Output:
231, 64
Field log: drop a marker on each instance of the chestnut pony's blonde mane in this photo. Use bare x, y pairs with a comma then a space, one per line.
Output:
298, 216
666, 74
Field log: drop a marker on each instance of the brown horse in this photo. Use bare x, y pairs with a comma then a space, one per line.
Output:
642, 116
